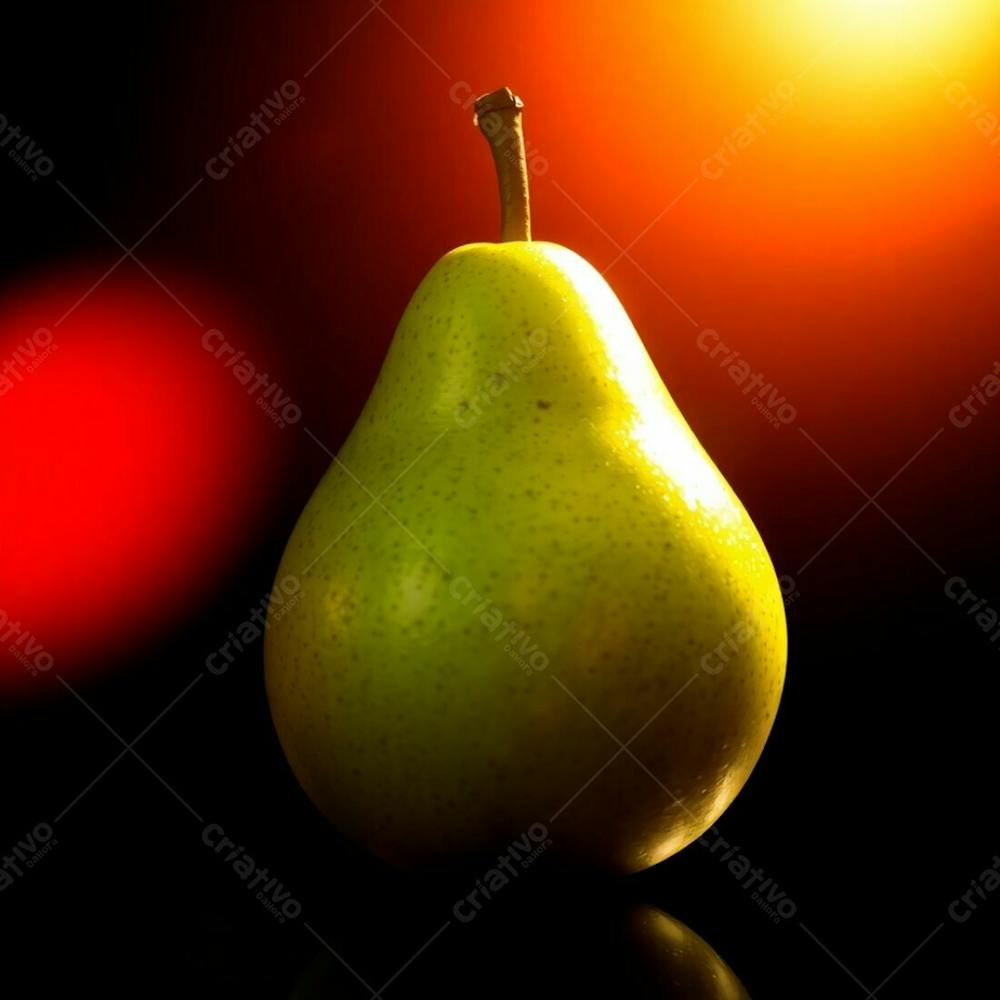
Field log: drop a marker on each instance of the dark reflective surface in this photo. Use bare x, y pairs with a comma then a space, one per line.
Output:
560, 946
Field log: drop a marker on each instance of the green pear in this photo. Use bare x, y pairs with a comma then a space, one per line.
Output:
530, 614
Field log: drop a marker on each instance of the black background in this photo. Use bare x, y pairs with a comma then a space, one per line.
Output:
872, 806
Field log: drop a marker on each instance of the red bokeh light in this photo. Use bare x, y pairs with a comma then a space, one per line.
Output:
132, 465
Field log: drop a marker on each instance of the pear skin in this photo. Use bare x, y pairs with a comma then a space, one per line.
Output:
520, 560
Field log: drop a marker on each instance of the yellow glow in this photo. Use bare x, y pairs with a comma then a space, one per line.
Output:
866, 38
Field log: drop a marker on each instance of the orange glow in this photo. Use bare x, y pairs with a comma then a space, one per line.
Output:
847, 251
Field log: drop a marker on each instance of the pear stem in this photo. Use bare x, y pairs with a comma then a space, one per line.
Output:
498, 116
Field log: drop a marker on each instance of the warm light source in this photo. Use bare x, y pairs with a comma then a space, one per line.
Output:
875, 37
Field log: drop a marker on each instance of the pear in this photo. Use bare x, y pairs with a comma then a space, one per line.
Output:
529, 614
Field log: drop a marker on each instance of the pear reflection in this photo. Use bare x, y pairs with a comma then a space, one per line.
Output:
538, 950
676, 962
